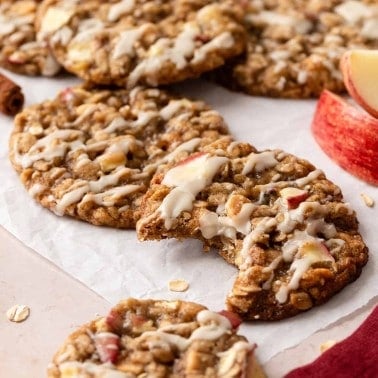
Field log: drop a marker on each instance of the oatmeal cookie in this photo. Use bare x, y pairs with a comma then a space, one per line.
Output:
131, 42
90, 153
19, 50
294, 46
272, 215
155, 338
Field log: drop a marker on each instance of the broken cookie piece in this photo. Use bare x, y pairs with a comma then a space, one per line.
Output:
157, 338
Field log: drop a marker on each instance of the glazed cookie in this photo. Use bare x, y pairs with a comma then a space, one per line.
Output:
272, 215
19, 50
294, 47
155, 338
90, 153
133, 42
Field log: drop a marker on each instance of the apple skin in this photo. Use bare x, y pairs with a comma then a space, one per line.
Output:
294, 196
191, 158
348, 136
350, 80
233, 318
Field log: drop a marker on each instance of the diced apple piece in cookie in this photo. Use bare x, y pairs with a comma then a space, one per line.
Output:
315, 252
360, 72
107, 346
293, 196
114, 320
233, 318
348, 136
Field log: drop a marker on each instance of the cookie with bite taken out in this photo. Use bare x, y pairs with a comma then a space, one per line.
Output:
273, 215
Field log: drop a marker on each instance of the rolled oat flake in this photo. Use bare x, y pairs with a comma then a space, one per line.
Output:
178, 285
18, 313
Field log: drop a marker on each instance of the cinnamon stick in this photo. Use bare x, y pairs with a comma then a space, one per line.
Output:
11, 96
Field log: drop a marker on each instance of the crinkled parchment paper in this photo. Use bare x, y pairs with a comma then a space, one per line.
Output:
114, 264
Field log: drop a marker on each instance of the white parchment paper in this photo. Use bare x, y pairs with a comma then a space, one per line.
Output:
114, 264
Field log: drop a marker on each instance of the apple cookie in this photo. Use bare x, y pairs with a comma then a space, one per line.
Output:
294, 47
156, 338
272, 215
19, 50
90, 153
133, 42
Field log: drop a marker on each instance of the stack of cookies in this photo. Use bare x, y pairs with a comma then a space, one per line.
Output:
120, 151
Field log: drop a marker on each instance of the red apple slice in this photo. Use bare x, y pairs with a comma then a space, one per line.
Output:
347, 135
293, 196
360, 72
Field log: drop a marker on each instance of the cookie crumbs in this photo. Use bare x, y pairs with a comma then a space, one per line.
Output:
327, 345
369, 202
178, 285
18, 313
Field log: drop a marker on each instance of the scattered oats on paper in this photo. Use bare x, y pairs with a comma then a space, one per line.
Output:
369, 202
18, 313
178, 285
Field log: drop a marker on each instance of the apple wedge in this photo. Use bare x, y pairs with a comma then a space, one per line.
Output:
347, 135
360, 73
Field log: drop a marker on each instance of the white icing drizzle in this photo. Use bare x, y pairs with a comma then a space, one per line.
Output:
188, 146
312, 254
211, 224
334, 245
118, 123
307, 209
307, 179
84, 111
36, 189
126, 41
75, 194
163, 50
265, 225
222, 41
187, 179
144, 118
48, 147
119, 9
319, 226
301, 26
77, 191
270, 269
177, 201
123, 146
228, 359
259, 162
212, 327
110, 197
77, 369
106, 180
173, 107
